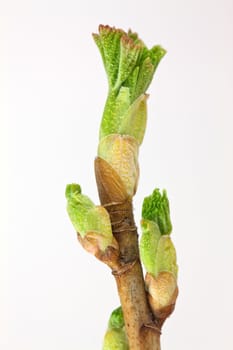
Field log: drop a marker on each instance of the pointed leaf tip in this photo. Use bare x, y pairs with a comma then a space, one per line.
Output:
72, 189
116, 319
156, 208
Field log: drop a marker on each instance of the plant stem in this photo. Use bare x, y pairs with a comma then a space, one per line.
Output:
141, 329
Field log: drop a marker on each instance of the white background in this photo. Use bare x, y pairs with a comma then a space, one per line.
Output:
54, 296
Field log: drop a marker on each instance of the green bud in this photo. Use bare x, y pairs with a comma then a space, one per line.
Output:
108, 42
157, 251
88, 218
72, 190
116, 319
115, 337
156, 208
130, 67
134, 119
148, 245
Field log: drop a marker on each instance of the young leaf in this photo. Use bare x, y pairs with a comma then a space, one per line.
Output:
128, 64
156, 208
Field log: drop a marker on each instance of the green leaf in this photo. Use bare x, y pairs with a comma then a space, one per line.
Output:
129, 53
145, 76
99, 44
115, 109
78, 207
72, 190
156, 208
116, 319
147, 63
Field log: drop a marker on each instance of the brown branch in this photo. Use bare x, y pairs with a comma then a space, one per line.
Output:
142, 330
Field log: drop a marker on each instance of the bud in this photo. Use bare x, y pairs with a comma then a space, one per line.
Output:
110, 186
78, 207
166, 257
156, 208
133, 121
89, 220
115, 337
130, 67
121, 153
159, 255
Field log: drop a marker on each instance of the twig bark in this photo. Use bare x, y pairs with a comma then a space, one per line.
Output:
142, 329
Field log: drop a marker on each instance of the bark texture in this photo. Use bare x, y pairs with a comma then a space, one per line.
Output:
142, 329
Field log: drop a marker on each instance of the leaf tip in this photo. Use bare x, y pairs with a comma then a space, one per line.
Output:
72, 189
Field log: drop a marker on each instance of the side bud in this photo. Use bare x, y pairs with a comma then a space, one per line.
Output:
162, 285
115, 337
156, 208
92, 223
158, 255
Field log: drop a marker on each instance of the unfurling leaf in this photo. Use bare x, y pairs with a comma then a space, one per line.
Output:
156, 208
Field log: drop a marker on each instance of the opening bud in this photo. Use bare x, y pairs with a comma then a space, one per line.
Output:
89, 221
156, 208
